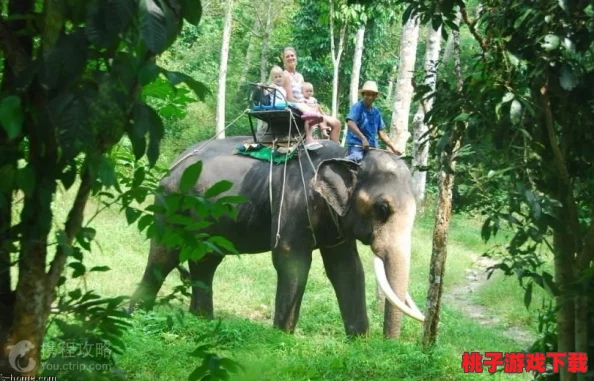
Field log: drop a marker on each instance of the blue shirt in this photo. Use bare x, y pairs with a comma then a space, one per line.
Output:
369, 122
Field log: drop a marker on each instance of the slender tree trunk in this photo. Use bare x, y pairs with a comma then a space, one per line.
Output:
404, 89
440, 238
247, 63
449, 48
357, 58
442, 223
390, 93
584, 309
565, 243
220, 117
336, 55
420, 129
265, 43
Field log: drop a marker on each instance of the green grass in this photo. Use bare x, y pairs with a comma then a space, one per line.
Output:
244, 292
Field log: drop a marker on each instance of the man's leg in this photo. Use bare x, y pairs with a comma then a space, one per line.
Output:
354, 154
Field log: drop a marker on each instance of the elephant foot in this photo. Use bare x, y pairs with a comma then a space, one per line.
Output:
357, 330
286, 329
202, 312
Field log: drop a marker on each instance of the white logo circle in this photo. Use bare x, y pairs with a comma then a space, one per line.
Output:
18, 351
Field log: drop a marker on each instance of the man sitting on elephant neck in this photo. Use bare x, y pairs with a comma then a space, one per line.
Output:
365, 124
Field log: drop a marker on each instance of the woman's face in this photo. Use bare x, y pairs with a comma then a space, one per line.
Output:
290, 58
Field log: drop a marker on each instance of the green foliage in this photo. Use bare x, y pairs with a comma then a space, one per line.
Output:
82, 103
527, 105
11, 116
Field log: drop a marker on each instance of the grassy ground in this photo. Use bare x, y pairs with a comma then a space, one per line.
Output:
244, 296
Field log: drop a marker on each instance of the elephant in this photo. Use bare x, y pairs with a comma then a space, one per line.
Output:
328, 203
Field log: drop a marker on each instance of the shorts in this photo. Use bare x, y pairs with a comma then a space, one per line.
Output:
355, 154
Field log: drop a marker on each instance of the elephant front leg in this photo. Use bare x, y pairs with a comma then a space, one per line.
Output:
345, 271
292, 268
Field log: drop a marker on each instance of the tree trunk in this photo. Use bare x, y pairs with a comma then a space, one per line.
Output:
265, 41
247, 63
420, 129
390, 93
357, 58
220, 117
439, 252
584, 308
336, 55
404, 89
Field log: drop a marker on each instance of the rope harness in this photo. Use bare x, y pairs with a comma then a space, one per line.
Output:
194, 152
270, 193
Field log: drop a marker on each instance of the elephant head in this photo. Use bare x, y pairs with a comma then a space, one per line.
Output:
375, 203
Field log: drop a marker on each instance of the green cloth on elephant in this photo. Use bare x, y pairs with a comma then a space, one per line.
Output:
262, 152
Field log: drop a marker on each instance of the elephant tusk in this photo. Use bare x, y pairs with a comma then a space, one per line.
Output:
380, 273
411, 303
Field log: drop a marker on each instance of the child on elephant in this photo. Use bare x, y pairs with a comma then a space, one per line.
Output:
307, 90
276, 81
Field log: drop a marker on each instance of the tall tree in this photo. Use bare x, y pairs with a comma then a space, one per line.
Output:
404, 89
267, 29
357, 58
221, 99
420, 129
336, 52
447, 167
249, 57
71, 89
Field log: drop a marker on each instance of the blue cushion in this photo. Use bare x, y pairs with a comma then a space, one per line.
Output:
277, 106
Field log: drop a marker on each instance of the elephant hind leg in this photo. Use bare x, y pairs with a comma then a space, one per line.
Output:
345, 271
202, 274
160, 263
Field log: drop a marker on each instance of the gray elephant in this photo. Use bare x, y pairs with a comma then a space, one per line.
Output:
328, 204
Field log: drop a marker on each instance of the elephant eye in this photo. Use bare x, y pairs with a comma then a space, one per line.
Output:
382, 210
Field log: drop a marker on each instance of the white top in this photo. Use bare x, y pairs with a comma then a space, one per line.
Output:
280, 94
296, 87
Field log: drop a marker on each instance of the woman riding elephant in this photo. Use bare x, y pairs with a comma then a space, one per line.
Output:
292, 83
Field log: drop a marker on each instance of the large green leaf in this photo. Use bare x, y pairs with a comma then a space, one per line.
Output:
148, 73
11, 116
218, 188
197, 87
69, 113
146, 119
65, 61
107, 19
192, 11
138, 129
153, 25
190, 177
173, 22
159, 88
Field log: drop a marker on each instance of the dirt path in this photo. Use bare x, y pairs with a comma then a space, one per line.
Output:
459, 297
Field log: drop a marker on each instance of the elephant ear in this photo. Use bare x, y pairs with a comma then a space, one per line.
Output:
335, 181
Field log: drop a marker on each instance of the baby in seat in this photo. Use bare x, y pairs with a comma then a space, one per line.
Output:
307, 90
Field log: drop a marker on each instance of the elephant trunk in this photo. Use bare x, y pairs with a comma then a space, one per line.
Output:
392, 268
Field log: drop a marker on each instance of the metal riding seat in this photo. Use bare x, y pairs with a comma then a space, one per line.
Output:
277, 118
